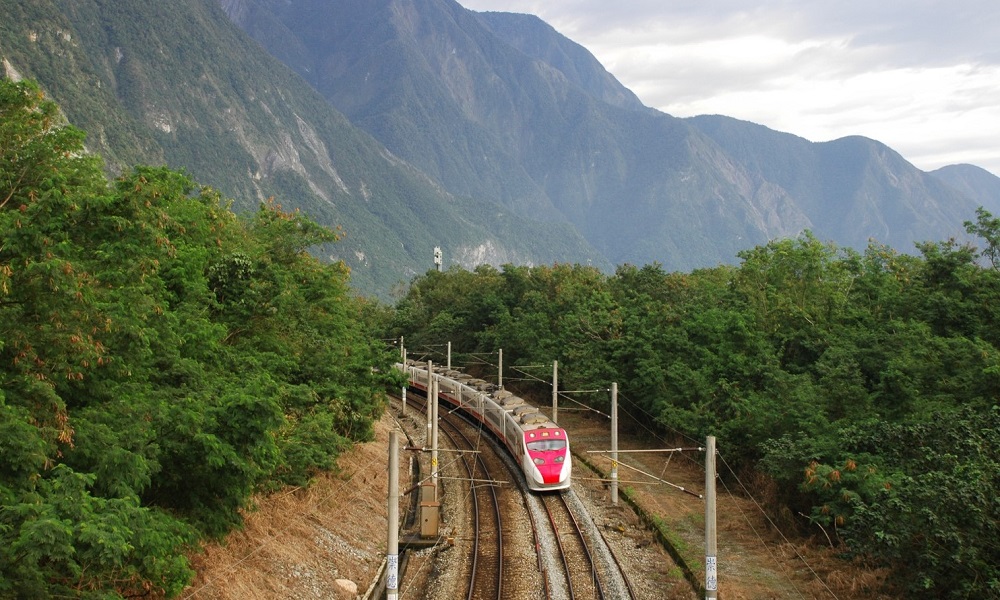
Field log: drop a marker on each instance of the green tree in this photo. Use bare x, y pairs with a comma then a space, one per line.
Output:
987, 227
161, 359
59, 535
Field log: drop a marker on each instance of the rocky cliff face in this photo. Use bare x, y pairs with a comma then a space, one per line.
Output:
9, 72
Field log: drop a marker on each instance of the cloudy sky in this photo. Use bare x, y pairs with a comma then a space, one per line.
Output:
922, 76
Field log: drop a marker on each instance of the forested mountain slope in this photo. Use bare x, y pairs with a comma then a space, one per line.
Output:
180, 84
506, 141
502, 107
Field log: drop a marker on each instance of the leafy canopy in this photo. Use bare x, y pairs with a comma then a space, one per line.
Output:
865, 384
161, 359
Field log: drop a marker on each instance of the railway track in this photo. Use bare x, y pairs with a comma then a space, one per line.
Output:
576, 559
486, 568
579, 571
572, 558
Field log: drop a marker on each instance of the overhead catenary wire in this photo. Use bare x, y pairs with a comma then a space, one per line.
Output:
663, 481
642, 424
621, 397
561, 394
654, 435
625, 404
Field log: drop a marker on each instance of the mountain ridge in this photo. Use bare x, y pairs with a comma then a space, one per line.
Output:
196, 93
418, 123
573, 145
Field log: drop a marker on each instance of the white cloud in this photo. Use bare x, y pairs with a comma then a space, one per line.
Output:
922, 77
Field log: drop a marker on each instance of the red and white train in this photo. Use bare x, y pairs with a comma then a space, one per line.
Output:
539, 446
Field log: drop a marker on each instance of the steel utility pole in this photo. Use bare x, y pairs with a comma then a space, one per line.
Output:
711, 547
429, 504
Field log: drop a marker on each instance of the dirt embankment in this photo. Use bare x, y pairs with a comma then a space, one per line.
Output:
756, 560
328, 541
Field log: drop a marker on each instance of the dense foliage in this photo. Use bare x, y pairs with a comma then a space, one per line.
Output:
160, 360
866, 384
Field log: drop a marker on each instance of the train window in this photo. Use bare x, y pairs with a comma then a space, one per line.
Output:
546, 445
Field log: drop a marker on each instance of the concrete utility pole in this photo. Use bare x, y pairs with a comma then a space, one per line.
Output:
429, 505
614, 444
434, 436
449, 356
406, 370
430, 411
555, 391
500, 371
711, 547
392, 548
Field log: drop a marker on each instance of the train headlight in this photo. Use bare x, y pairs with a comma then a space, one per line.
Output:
538, 461
560, 459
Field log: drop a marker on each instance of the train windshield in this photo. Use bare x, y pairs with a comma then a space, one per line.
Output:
546, 445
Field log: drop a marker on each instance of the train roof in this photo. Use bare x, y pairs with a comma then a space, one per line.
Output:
546, 424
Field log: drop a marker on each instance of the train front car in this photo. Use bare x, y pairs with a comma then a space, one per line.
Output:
547, 463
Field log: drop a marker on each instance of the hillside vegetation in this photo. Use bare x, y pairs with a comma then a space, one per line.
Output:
864, 384
160, 360
414, 124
